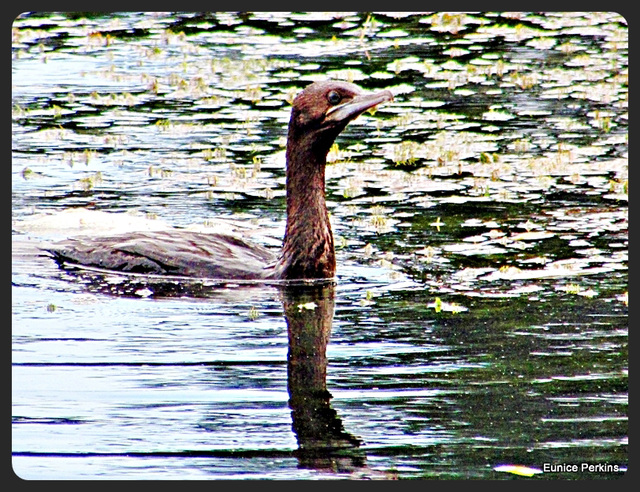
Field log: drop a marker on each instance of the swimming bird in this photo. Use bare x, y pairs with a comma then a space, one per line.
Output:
319, 114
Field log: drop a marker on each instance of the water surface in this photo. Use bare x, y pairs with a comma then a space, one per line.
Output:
480, 313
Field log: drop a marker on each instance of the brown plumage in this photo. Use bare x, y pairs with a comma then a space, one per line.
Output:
320, 112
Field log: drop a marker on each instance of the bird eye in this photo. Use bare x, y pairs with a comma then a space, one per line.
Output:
334, 98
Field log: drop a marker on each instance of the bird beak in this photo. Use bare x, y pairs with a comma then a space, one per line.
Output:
356, 106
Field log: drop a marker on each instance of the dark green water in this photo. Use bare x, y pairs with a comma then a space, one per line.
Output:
480, 317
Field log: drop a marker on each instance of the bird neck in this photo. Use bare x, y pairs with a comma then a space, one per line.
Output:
308, 250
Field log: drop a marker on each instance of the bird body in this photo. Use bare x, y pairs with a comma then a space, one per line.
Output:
320, 112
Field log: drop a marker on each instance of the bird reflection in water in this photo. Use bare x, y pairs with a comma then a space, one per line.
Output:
323, 444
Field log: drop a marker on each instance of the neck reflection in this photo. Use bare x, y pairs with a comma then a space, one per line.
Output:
323, 444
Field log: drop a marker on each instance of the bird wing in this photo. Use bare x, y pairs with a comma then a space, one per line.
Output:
193, 254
